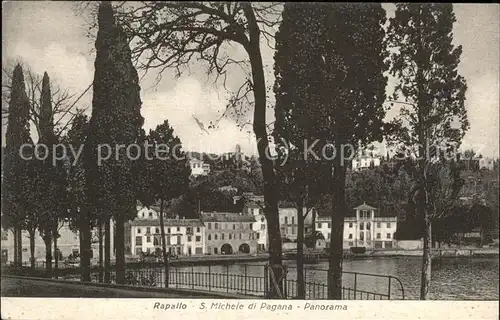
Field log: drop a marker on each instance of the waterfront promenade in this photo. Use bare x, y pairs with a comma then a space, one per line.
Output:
13, 286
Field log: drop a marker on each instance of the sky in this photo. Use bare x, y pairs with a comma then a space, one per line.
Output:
49, 36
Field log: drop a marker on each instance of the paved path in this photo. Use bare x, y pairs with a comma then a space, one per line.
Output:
17, 287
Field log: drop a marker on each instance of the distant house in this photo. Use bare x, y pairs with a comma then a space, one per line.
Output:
365, 162
183, 236
198, 167
365, 227
486, 163
229, 233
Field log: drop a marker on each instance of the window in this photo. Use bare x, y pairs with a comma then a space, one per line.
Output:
361, 226
350, 224
378, 235
178, 239
258, 236
293, 220
188, 230
189, 238
350, 235
168, 230
319, 225
157, 230
222, 236
262, 227
209, 226
148, 230
368, 226
388, 224
234, 226
362, 236
388, 236
156, 241
148, 239
150, 214
378, 224
250, 225
293, 230
197, 229
178, 228
329, 225
138, 230
216, 226
286, 220
215, 250
209, 237
215, 237
138, 241
198, 238
230, 236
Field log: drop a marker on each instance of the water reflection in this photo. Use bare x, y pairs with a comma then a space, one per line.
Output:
452, 279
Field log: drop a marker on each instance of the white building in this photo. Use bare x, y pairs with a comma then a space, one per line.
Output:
365, 162
183, 236
365, 229
228, 233
199, 167
288, 222
486, 163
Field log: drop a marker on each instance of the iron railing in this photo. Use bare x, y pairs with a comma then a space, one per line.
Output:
254, 280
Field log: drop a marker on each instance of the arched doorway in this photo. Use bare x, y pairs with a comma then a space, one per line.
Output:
244, 248
226, 249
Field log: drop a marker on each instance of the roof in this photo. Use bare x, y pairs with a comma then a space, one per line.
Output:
364, 206
226, 217
168, 222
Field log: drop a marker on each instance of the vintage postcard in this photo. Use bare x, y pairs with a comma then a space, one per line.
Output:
249, 159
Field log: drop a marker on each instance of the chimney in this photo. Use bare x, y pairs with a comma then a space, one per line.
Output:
183, 218
177, 217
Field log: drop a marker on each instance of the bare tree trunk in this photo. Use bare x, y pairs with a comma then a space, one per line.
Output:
48, 255
19, 247
32, 248
85, 245
301, 288
107, 251
16, 257
260, 130
119, 245
314, 227
164, 244
101, 252
427, 259
337, 241
55, 235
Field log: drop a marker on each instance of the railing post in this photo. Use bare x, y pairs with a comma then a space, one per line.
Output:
176, 279
266, 280
389, 290
192, 276
227, 277
245, 279
355, 284
209, 278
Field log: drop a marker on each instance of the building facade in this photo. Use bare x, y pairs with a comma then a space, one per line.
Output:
288, 222
365, 229
365, 162
229, 233
183, 236
198, 167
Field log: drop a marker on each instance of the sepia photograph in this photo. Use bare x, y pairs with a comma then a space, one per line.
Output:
261, 158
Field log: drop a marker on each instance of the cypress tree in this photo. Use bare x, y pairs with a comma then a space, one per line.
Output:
115, 121
15, 170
